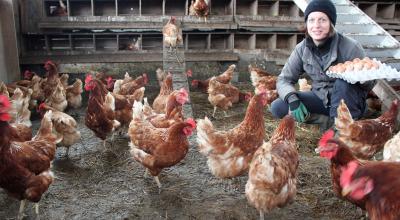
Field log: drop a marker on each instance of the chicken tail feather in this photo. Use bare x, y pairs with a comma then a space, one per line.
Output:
204, 128
343, 119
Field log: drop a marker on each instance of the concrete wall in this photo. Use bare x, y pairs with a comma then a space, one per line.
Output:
9, 63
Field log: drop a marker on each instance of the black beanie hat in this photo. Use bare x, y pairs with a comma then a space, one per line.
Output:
325, 6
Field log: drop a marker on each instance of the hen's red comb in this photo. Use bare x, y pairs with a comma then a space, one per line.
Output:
4, 107
49, 62
183, 91
146, 79
192, 122
42, 106
395, 104
189, 73
4, 102
88, 78
326, 137
27, 74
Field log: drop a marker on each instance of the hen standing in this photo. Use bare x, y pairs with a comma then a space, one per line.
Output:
223, 96
25, 166
365, 137
50, 83
100, 116
377, 184
172, 34
199, 8
391, 150
273, 171
224, 77
166, 89
173, 110
74, 94
157, 148
65, 126
340, 155
230, 152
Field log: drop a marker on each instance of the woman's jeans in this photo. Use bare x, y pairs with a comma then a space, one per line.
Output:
353, 95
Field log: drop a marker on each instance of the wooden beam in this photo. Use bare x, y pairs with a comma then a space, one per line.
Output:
129, 57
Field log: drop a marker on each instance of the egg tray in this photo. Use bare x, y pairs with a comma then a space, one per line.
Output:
383, 72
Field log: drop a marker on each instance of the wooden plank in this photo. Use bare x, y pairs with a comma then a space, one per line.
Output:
120, 57
386, 94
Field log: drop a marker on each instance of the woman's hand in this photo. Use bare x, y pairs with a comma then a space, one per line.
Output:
299, 111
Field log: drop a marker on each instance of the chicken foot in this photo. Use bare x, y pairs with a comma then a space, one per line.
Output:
215, 109
37, 211
146, 160
20, 215
158, 183
261, 215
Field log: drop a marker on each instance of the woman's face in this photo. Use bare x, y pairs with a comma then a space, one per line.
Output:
318, 26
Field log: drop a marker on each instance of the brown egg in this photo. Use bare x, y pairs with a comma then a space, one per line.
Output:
358, 66
367, 66
366, 59
356, 60
349, 67
340, 68
347, 62
375, 65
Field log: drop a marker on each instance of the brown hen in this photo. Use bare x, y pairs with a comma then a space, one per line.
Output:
25, 166
273, 170
158, 148
230, 152
365, 137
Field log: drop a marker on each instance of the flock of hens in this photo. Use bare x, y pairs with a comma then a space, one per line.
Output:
159, 136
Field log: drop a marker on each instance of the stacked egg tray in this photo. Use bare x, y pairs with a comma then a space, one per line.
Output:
382, 72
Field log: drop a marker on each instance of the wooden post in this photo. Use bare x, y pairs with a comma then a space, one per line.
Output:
140, 7
71, 46
186, 41
141, 42
92, 6
252, 42
187, 7
163, 7
231, 41
272, 43
118, 42
68, 8
233, 8
94, 42
254, 8
116, 7
208, 41
47, 43
275, 9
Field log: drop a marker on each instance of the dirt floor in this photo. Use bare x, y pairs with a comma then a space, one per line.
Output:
98, 183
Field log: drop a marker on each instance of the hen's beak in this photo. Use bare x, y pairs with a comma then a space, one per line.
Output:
317, 151
346, 190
